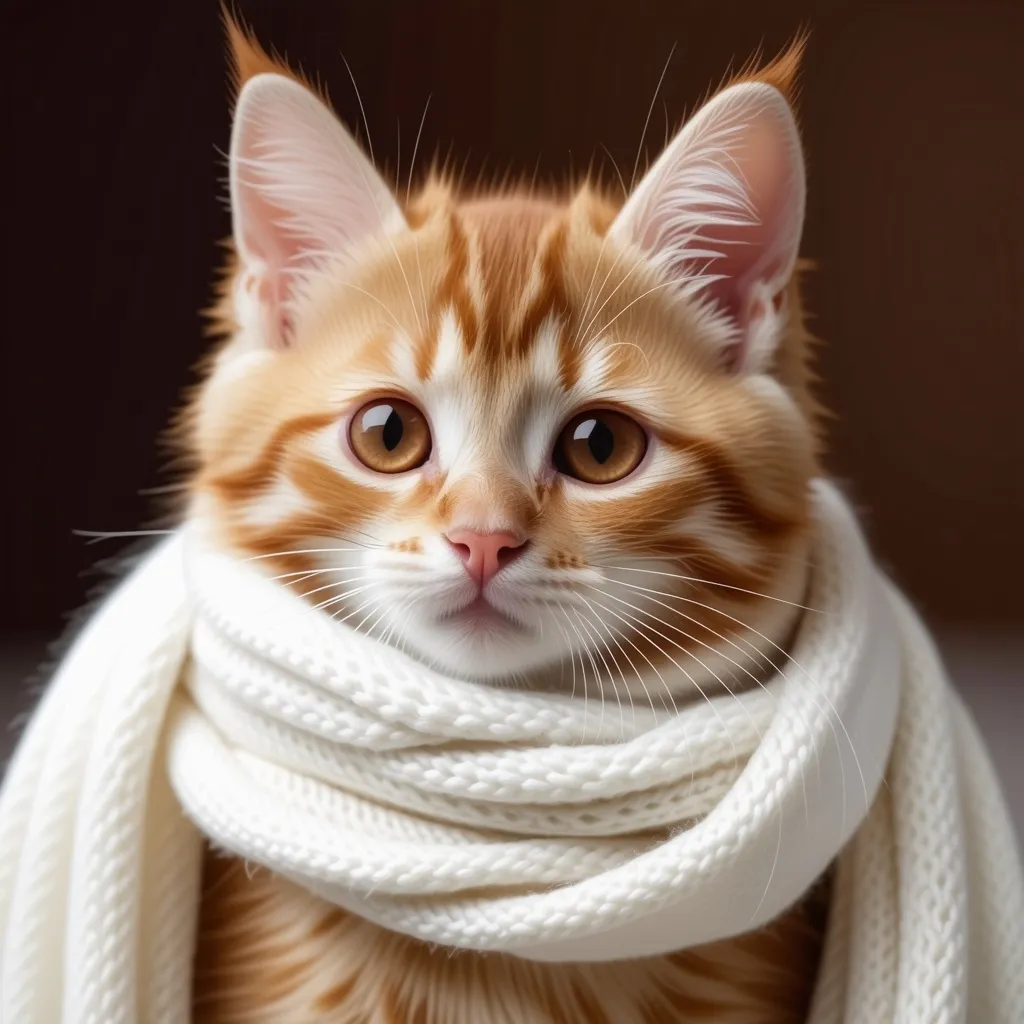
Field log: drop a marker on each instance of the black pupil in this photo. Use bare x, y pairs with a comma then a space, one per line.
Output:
600, 440
393, 430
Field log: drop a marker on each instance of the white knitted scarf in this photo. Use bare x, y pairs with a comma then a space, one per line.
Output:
491, 819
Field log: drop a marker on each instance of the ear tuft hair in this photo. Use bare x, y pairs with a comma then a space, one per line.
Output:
247, 58
782, 72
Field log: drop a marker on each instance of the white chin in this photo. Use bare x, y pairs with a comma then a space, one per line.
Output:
482, 650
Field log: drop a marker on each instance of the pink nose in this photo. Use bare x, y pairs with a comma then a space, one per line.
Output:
485, 554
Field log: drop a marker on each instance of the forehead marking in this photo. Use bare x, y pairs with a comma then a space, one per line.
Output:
513, 273
548, 298
403, 358
544, 357
593, 368
453, 292
449, 351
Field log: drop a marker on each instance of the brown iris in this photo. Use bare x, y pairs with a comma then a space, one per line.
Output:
390, 435
600, 446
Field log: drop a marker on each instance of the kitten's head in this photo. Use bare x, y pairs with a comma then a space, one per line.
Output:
512, 431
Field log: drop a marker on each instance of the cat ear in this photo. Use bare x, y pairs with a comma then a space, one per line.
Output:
721, 212
301, 191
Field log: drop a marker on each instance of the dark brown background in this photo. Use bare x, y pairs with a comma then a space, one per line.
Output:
913, 118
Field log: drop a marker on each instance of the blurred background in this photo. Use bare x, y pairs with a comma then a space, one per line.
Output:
913, 120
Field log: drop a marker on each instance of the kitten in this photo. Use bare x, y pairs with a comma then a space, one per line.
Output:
528, 438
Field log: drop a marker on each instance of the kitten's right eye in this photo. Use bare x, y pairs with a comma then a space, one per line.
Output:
390, 435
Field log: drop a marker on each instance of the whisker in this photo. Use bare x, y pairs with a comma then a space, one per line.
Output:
644, 629
585, 649
654, 668
618, 173
751, 654
180, 485
590, 288
342, 597
714, 583
608, 298
95, 536
402, 637
397, 617
647, 121
632, 182
699, 661
574, 652
398, 152
362, 109
312, 572
325, 256
816, 690
306, 594
382, 604
600, 684
588, 304
370, 295
301, 551
614, 634
408, 190
355, 611
416, 148
372, 194
627, 546
694, 639
775, 862
629, 305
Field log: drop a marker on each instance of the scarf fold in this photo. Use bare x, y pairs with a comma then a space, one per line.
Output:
204, 700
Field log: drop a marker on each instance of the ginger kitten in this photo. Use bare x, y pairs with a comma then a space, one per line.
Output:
532, 439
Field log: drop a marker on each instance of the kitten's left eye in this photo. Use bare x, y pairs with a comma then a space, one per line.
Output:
390, 435
600, 446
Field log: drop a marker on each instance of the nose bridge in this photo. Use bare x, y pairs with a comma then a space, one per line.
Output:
486, 499
486, 490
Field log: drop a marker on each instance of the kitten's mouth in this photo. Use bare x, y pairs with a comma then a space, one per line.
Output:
480, 613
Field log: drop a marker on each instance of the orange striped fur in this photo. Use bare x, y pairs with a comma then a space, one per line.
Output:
499, 316
270, 953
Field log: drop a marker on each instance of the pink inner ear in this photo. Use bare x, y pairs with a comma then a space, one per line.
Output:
301, 191
760, 318
763, 248
267, 243
272, 295
722, 208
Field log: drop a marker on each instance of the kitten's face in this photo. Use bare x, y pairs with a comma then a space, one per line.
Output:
495, 434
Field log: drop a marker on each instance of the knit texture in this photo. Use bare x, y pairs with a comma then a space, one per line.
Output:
203, 700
